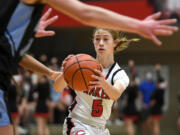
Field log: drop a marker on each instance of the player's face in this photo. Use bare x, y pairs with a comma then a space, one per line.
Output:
103, 42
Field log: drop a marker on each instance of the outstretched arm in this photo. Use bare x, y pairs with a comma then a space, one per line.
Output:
99, 17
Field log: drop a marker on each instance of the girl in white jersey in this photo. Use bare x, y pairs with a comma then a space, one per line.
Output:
91, 109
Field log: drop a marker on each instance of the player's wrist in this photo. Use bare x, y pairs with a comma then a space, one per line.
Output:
138, 26
50, 73
106, 86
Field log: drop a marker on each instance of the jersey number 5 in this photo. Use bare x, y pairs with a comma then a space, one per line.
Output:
97, 108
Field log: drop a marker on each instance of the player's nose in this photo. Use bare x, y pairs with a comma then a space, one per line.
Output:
101, 43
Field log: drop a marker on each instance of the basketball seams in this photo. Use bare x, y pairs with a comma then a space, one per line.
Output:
81, 73
73, 77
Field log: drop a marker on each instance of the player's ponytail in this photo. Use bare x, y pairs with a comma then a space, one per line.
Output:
123, 43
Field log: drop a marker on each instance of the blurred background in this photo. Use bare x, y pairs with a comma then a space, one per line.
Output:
154, 72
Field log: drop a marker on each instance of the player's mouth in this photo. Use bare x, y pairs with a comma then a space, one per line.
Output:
101, 49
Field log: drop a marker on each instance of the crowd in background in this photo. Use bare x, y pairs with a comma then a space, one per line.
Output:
169, 8
33, 100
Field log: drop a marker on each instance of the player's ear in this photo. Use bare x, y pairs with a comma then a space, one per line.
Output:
34, 1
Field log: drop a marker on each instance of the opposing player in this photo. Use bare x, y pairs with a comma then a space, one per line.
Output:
91, 109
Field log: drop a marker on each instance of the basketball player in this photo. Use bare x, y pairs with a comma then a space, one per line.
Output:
13, 45
18, 26
91, 109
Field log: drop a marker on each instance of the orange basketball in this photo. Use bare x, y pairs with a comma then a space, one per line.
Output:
78, 70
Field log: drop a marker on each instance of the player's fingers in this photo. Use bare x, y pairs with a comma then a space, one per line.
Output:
51, 20
71, 55
163, 32
42, 33
99, 73
92, 83
156, 40
62, 68
166, 27
167, 21
68, 57
91, 87
95, 77
48, 33
154, 16
63, 65
46, 15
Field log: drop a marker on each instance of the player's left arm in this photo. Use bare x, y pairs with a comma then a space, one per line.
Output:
113, 91
33, 1
30, 63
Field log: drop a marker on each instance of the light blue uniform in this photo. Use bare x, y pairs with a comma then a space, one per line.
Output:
4, 118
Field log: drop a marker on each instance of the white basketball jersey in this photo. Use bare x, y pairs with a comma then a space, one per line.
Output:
93, 107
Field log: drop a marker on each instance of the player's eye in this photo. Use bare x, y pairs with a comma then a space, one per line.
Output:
97, 39
105, 39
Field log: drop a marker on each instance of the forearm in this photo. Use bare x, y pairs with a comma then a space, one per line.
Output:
32, 64
95, 16
114, 92
59, 83
100, 17
33, 1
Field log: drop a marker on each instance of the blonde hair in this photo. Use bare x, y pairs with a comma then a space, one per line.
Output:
122, 42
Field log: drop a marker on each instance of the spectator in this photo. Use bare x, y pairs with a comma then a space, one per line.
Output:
42, 110
130, 112
157, 101
146, 89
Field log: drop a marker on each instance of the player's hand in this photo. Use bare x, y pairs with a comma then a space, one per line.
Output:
100, 80
65, 60
151, 27
54, 75
44, 23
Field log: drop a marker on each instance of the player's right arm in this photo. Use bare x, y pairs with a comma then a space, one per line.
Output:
99, 17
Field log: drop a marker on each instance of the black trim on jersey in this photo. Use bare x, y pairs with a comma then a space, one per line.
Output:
112, 82
110, 70
7, 8
70, 125
73, 105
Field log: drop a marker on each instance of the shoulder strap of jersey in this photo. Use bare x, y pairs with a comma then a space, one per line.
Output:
110, 70
112, 82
